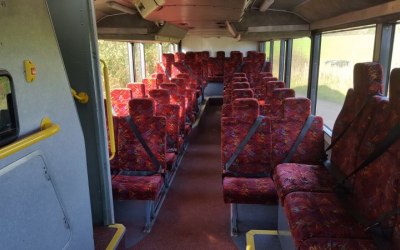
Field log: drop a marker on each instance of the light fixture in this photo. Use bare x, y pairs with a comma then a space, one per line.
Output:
120, 7
265, 5
232, 30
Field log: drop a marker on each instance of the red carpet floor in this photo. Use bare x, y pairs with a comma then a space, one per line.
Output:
194, 215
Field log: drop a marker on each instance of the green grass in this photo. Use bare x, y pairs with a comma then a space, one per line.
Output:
324, 93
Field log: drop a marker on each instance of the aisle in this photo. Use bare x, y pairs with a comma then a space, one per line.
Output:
194, 215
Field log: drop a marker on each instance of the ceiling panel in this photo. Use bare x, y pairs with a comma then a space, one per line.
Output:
315, 10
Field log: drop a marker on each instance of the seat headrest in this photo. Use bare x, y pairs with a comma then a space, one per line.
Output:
260, 57
179, 57
245, 109
168, 58
239, 75
394, 89
171, 87
368, 79
240, 79
251, 55
121, 94
183, 75
141, 108
265, 74
240, 85
298, 108
137, 89
161, 96
190, 56
205, 55
242, 93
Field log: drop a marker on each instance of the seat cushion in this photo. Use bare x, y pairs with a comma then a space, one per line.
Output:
319, 215
136, 187
249, 190
292, 177
337, 244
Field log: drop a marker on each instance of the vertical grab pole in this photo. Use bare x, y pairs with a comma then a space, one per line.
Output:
109, 109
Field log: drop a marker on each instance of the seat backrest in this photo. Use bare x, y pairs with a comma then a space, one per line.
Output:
179, 56
190, 57
344, 153
226, 110
239, 75
119, 99
376, 188
269, 84
220, 55
150, 83
176, 99
138, 89
367, 82
255, 158
131, 154
160, 96
274, 109
285, 132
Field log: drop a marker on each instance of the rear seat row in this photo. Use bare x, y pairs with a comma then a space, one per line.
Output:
351, 201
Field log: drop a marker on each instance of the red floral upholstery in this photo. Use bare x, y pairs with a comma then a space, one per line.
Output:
171, 113
274, 109
337, 244
132, 155
318, 215
285, 132
179, 56
269, 84
240, 75
179, 100
119, 100
136, 187
160, 96
249, 190
255, 157
137, 89
150, 83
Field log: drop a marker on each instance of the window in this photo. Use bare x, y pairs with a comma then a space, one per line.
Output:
152, 57
276, 56
139, 62
8, 117
300, 66
115, 54
396, 49
339, 52
167, 48
267, 50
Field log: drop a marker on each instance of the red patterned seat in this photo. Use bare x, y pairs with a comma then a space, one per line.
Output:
274, 109
248, 178
291, 177
150, 83
119, 99
285, 131
133, 158
179, 100
138, 89
226, 110
374, 192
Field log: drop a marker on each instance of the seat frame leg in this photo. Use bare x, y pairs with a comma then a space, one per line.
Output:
234, 220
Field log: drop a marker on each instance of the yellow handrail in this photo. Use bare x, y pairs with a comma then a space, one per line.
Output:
82, 97
47, 129
109, 110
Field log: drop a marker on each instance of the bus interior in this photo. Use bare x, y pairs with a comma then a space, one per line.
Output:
183, 124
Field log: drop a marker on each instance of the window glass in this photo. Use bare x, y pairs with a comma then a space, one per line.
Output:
152, 57
300, 66
8, 122
115, 54
267, 50
396, 49
167, 48
275, 63
138, 62
339, 52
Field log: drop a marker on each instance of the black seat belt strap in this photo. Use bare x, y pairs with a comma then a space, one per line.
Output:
299, 139
243, 143
138, 135
392, 137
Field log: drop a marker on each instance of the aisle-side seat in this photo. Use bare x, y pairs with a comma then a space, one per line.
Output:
120, 101
138, 89
226, 110
274, 107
